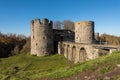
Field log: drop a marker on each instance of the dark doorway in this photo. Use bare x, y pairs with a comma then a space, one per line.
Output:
82, 55
73, 53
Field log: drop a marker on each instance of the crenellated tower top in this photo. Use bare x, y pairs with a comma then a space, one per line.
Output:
85, 23
44, 21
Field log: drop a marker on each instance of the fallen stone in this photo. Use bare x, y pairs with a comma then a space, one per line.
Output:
107, 78
118, 65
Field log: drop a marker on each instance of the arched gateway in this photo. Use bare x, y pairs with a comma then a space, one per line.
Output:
82, 55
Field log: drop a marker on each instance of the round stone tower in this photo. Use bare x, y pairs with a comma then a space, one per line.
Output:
84, 32
41, 37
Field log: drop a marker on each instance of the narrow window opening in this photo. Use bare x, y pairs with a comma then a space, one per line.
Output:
33, 37
44, 38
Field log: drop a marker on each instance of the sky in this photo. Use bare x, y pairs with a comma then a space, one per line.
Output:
15, 15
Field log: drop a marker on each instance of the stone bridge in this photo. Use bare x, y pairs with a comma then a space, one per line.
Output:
80, 52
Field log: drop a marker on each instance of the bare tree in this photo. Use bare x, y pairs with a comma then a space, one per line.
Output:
110, 39
57, 25
68, 25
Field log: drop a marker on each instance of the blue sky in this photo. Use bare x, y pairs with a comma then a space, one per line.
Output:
15, 15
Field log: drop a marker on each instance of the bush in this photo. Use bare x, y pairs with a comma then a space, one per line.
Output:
26, 47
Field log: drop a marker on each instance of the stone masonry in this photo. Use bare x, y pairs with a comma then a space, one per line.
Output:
83, 47
41, 37
84, 32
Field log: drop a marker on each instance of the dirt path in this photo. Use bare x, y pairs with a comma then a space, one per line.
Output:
94, 75
88, 75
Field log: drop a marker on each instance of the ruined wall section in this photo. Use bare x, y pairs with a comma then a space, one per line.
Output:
96, 36
84, 32
41, 37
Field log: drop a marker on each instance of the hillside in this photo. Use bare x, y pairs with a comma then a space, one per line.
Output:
56, 67
11, 44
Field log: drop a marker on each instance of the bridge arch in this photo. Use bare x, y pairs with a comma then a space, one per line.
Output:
63, 48
73, 53
67, 51
82, 55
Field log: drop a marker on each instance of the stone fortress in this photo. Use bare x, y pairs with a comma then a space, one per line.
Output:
78, 46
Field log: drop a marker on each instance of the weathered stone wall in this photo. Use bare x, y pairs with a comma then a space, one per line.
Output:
62, 35
41, 37
96, 36
81, 52
84, 32
77, 52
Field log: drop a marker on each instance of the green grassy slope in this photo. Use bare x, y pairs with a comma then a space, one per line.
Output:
23, 67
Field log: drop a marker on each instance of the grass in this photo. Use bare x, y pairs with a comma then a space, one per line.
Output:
117, 77
24, 67
31, 66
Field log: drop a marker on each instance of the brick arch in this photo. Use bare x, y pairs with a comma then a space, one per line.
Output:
67, 51
63, 49
73, 53
82, 54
